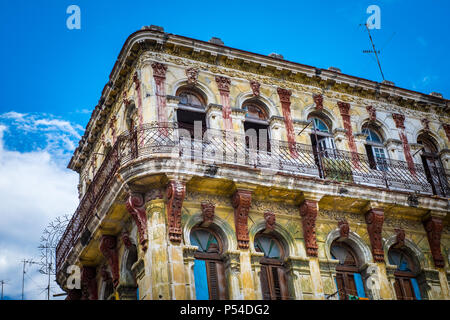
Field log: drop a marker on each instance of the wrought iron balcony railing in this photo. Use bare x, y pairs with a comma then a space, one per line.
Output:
222, 148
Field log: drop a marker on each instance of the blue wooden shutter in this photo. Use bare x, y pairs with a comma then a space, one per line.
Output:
201, 282
337, 288
359, 285
416, 289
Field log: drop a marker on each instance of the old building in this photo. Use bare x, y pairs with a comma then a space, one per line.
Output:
208, 172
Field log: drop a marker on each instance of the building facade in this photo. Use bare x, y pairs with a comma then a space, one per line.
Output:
208, 172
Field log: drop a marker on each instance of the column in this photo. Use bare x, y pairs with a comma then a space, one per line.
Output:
285, 99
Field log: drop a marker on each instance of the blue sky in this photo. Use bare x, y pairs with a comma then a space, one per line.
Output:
52, 78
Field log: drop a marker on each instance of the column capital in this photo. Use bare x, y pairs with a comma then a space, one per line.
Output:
374, 219
308, 213
310, 196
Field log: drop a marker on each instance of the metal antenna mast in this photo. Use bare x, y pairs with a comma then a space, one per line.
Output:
23, 274
3, 282
374, 51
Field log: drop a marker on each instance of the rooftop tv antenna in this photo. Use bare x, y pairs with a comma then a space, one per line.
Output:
374, 50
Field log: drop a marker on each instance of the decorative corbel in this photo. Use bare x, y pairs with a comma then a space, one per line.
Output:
176, 191
135, 206
242, 201
89, 283
108, 247
433, 227
426, 124
344, 229
374, 219
192, 75
318, 100
208, 209
255, 85
270, 218
399, 238
372, 113
308, 212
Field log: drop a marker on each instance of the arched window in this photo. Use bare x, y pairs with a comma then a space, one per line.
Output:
348, 277
433, 166
191, 109
256, 125
321, 137
375, 148
406, 286
209, 273
273, 275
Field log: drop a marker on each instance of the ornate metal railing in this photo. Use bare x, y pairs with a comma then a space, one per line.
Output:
221, 148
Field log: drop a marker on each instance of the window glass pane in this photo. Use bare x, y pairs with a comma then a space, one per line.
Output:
268, 246
320, 125
372, 136
399, 259
204, 240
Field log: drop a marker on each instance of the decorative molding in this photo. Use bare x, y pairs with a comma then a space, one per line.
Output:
208, 209
374, 220
135, 206
270, 218
89, 283
192, 75
255, 85
433, 227
308, 212
176, 191
108, 247
242, 201
318, 100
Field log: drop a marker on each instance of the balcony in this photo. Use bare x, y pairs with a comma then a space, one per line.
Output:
222, 148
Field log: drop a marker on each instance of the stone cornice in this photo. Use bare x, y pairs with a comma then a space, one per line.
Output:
222, 56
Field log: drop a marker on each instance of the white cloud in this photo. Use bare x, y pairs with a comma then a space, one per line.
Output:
34, 189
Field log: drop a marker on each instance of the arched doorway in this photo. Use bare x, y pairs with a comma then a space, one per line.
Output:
256, 125
375, 150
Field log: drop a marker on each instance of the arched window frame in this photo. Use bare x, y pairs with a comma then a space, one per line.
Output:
405, 285
211, 266
348, 279
325, 138
273, 274
187, 113
256, 123
376, 151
